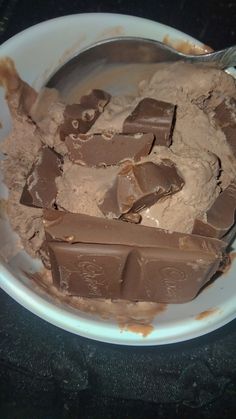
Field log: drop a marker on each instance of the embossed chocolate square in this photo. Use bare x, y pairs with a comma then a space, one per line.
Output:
99, 258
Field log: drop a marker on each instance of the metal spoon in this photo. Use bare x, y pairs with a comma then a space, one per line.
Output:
122, 57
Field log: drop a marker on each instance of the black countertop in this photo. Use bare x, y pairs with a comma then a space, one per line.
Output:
211, 21
46, 373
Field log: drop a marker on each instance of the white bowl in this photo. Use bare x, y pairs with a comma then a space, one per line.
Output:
36, 52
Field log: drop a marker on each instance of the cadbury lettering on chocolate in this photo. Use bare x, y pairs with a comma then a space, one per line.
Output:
100, 258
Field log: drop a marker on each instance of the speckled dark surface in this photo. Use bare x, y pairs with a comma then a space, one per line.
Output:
46, 373
211, 21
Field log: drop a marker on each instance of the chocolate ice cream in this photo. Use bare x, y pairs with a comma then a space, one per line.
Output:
150, 169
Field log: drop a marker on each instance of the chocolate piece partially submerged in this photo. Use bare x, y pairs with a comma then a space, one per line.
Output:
78, 118
131, 217
40, 188
99, 149
220, 217
225, 116
95, 257
152, 115
140, 186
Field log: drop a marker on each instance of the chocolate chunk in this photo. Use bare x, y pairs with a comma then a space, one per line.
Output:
96, 257
225, 113
154, 116
139, 186
99, 149
220, 217
40, 188
132, 217
225, 117
79, 117
96, 99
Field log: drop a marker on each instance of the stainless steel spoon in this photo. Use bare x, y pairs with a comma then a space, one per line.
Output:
122, 57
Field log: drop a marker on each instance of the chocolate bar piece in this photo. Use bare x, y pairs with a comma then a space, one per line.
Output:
40, 188
101, 258
154, 116
79, 117
225, 116
101, 149
220, 217
139, 186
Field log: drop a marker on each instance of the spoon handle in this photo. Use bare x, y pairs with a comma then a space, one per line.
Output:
220, 59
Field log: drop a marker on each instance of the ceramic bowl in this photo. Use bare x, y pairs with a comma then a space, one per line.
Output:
37, 52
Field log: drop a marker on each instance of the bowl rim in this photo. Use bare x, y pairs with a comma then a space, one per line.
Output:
61, 317
75, 16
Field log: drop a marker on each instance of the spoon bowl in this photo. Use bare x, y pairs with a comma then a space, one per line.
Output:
118, 64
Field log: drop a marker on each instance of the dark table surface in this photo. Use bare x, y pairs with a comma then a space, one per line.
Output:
46, 373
